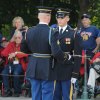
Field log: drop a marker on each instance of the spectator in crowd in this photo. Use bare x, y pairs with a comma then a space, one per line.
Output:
89, 38
18, 24
94, 73
0, 37
14, 66
4, 44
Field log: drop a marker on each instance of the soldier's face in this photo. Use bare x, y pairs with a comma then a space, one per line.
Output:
48, 17
86, 22
63, 21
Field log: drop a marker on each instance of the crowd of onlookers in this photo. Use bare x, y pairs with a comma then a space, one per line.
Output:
12, 61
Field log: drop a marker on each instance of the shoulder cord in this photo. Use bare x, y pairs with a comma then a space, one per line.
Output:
50, 31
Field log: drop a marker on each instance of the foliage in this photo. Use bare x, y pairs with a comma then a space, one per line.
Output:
27, 10
94, 11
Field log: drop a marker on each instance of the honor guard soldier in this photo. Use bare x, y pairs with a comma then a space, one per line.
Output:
40, 66
66, 71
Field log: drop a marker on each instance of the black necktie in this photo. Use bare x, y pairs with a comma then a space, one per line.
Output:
61, 31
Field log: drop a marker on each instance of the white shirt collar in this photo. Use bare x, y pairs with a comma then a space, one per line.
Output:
43, 23
64, 28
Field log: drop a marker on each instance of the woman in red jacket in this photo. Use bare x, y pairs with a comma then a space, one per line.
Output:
15, 67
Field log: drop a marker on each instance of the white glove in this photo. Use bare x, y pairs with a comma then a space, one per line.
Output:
73, 80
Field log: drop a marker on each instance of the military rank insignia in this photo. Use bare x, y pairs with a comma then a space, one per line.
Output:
67, 41
66, 30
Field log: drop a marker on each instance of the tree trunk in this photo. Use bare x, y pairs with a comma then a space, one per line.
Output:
84, 6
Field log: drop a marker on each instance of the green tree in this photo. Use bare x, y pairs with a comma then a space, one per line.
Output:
27, 10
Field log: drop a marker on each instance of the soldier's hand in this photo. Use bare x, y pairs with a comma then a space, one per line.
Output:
73, 80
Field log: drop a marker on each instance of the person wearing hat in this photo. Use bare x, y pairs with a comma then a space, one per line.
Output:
89, 35
40, 66
89, 38
66, 71
3, 45
4, 42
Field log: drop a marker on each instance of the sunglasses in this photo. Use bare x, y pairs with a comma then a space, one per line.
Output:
60, 17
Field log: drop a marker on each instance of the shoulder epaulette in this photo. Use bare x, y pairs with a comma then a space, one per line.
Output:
32, 27
70, 28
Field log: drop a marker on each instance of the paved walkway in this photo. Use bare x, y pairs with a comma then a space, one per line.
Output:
15, 98
27, 98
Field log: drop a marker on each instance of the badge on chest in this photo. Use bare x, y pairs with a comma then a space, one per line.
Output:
58, 42
68, 41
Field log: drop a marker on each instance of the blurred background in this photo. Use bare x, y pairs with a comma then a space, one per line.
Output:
27, 10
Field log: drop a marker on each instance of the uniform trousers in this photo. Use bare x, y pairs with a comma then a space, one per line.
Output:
42, 89
62, 90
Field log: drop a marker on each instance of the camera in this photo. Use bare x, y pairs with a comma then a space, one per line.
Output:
22, 29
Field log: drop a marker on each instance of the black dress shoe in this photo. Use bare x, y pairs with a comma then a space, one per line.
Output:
16, 95
7, 93
90, 92
90, 89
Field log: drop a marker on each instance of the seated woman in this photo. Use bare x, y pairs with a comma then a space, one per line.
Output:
15, 66
94, 72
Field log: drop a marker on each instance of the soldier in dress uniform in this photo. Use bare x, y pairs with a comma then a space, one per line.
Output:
66, 71
40, 67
